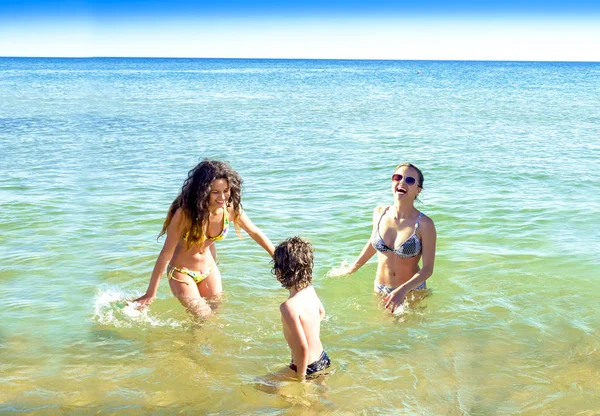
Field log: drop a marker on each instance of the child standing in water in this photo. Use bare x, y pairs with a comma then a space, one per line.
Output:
302, 312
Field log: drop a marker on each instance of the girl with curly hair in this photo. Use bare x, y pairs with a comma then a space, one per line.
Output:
209, 201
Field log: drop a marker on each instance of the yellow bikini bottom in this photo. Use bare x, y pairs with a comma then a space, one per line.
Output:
197, 276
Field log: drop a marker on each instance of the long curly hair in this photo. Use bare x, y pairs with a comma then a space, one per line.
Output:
194, 197
293, 263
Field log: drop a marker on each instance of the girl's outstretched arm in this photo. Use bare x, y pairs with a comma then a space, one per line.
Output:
256, 234
367, 252
173, 236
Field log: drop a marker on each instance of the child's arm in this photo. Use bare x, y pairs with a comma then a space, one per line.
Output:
321, 310
256, 234
296, 339
173, 235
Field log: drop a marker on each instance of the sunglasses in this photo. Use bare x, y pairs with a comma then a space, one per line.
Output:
409, 180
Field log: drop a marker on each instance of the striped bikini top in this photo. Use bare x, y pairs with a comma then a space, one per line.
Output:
409, 248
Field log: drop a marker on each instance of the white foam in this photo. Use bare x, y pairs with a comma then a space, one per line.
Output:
342, 270
114, 307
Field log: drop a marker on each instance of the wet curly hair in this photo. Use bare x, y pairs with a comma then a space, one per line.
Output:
194, 197
293, 263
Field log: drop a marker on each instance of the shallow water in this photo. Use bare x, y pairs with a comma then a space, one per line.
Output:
93, 152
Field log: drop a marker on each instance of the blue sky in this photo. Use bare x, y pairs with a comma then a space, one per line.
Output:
310, 8
352, 29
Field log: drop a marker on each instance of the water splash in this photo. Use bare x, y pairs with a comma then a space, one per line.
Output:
342, 270
114, 307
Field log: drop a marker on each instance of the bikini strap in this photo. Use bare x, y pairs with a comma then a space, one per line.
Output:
380, 218
418, 219
170, 275
382, 214
225, 215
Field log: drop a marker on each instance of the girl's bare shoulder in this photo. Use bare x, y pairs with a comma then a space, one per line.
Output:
379, 209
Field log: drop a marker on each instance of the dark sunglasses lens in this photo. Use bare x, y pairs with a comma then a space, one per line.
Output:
396, 177
410, 180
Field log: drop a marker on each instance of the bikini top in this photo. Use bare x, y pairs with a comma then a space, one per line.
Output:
225, 227
224, 231
409, 248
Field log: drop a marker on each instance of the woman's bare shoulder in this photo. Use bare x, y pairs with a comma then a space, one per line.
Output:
180, 216
379, 209
426, 220
426, 224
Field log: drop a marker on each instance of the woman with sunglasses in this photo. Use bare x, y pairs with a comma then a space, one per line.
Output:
402, 236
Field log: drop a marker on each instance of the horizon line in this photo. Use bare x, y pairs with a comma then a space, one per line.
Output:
298, 59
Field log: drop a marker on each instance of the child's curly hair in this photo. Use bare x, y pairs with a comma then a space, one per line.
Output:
293, 263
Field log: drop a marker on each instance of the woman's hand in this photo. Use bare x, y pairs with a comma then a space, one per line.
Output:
343, 270
145, 300
394, 299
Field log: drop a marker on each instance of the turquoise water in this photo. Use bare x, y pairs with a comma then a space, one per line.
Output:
92, 152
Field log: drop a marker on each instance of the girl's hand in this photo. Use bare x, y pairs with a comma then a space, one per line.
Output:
343, 270
145, 300
394, 300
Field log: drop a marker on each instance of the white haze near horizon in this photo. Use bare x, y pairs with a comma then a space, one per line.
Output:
415, 38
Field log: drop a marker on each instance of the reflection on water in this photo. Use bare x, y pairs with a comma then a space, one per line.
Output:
309, 395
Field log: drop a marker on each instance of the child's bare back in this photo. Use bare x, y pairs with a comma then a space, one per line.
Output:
302, 312
306, 308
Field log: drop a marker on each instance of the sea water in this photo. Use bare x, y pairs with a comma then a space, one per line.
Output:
93, 151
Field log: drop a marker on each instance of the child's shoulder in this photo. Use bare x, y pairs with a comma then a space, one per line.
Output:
289, 308
301, 300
